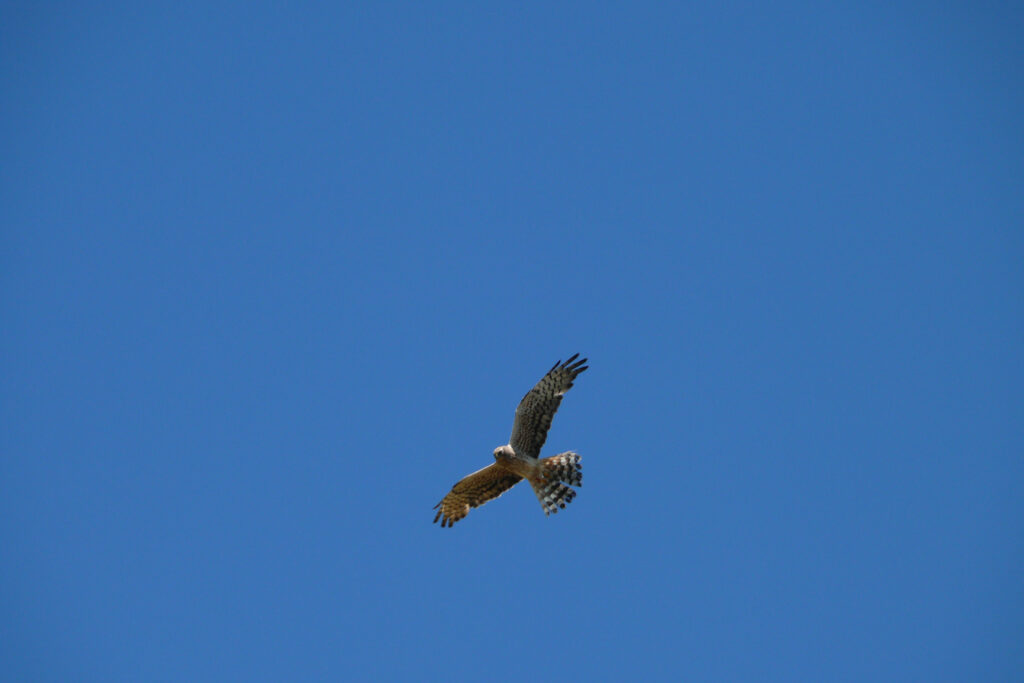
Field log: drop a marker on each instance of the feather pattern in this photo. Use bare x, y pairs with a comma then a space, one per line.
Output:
474, 490
538, 407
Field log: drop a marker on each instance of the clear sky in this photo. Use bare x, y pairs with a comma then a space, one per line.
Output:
273, 276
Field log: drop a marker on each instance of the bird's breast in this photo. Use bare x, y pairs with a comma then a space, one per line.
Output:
523, 465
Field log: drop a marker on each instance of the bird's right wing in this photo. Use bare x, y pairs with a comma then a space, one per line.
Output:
473, 491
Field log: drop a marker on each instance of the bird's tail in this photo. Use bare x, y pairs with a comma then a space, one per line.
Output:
556, 472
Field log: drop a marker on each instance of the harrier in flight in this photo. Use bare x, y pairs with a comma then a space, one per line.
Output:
520, 458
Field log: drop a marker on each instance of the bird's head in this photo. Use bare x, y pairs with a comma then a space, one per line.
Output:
503, 452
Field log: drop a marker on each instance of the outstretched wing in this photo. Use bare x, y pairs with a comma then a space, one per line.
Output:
538, 407
473, 491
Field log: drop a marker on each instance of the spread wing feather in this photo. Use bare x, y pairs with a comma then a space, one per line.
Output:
538, 407
473, 491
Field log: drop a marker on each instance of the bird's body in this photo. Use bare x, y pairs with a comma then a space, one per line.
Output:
507, 459
520, 458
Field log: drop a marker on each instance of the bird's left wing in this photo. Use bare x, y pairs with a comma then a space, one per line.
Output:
473, 491
538, 407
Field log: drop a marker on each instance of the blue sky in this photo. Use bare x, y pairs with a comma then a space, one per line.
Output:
273, 277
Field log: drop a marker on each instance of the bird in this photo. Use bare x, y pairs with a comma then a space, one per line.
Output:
520, 459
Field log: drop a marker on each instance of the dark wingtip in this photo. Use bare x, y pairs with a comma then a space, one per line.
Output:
572, 364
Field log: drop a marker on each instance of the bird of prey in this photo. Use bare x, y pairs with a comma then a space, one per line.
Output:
520, 458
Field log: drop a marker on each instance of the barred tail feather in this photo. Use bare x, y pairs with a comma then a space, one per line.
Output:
565, 467
557, 471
